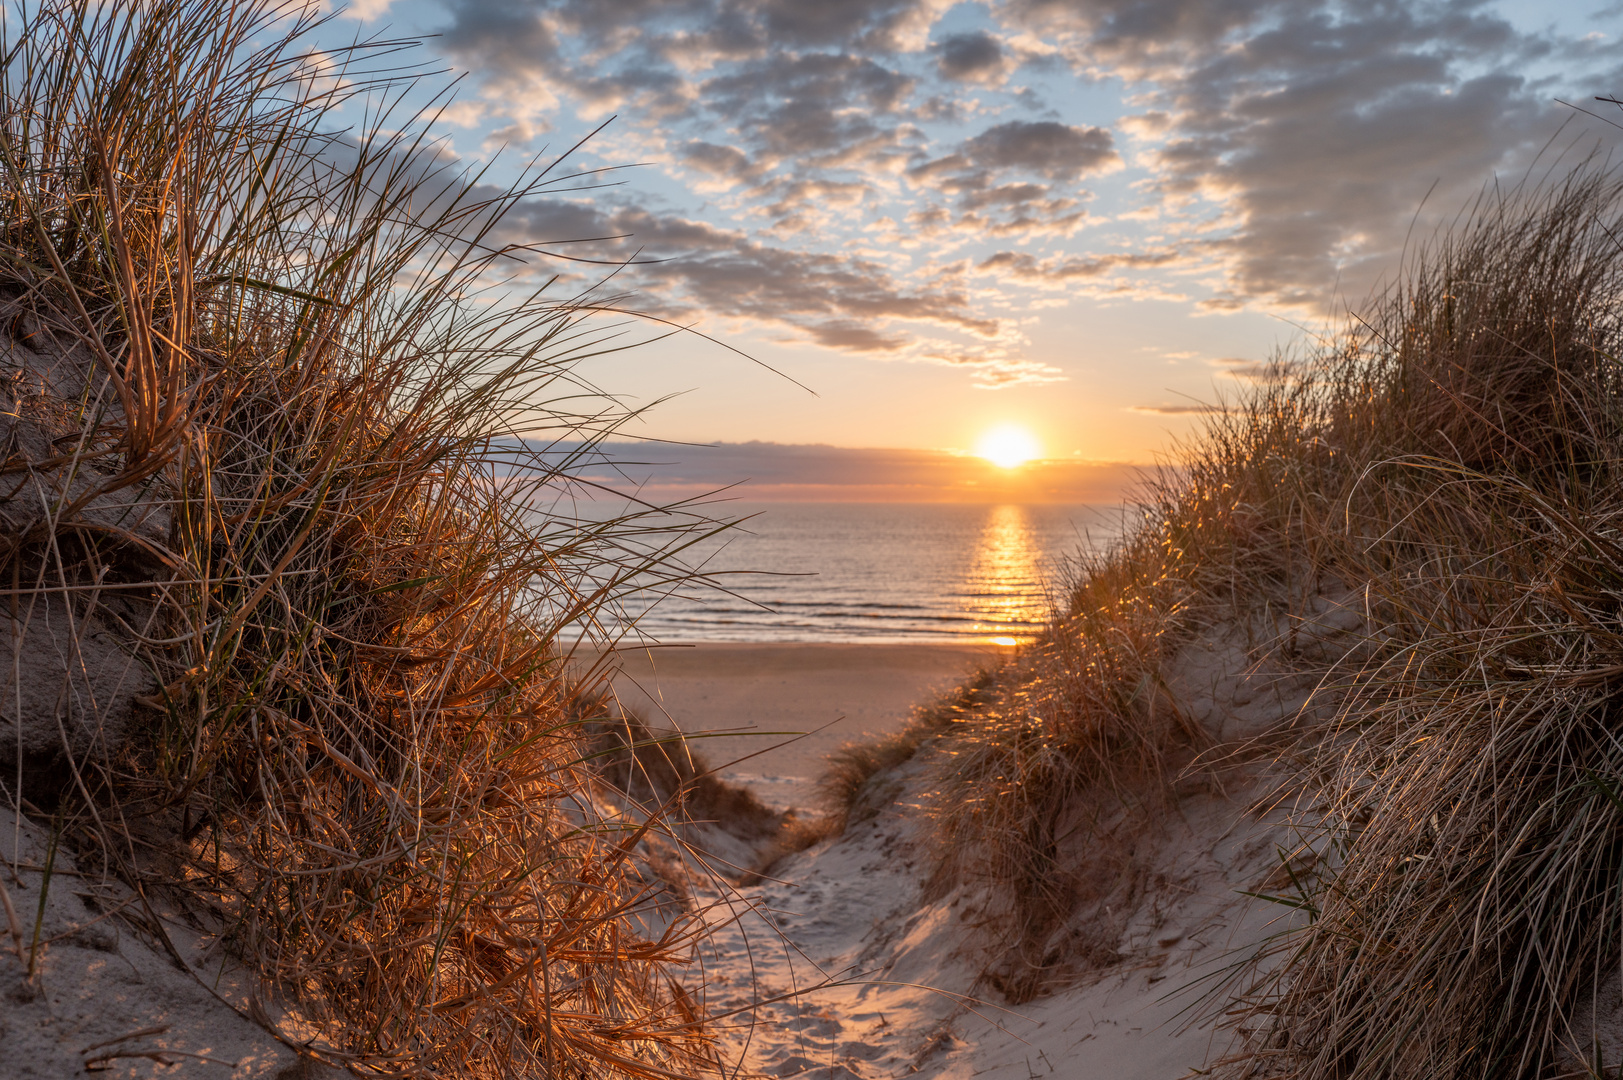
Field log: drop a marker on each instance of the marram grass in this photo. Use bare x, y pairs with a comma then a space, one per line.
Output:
1454, 459
294, 483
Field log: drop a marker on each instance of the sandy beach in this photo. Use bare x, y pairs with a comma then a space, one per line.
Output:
768, 715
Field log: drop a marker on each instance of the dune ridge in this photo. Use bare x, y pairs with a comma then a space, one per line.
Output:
283, 591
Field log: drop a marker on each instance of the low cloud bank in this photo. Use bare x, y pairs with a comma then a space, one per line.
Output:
817, 473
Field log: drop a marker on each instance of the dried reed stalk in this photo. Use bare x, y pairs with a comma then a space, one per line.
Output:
295, 484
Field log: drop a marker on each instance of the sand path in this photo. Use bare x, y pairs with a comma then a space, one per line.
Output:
846, 966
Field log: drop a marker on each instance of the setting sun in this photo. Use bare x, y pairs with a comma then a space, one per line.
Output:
1008, 446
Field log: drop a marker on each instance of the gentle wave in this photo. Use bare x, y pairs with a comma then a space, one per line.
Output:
876, 572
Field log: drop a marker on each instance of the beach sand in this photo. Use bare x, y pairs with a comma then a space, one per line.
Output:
856, 960
744, 703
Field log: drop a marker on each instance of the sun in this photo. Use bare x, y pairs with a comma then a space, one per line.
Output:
1008, 446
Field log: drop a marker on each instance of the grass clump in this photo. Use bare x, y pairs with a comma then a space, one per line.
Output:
657, 768
851, 783
271, 373
1051, 751
1473, 915
1452, 461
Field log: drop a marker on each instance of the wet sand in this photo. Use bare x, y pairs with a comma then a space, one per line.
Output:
740, 700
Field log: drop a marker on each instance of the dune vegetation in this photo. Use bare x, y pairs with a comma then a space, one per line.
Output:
274, 376
271, 363
1449, 465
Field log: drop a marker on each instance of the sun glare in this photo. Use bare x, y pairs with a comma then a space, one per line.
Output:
1008, 446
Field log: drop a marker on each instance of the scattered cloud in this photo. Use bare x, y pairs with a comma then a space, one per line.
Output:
1069, 272
1310, 132
1046, 147
365, 10
686, 268
725, 166
989, 206
1250, 370
975, 56
1256, 153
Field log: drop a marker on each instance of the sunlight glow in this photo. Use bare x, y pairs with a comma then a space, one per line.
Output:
1004, 586
1008, 446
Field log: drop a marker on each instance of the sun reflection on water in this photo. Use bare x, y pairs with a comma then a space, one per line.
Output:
1004, 592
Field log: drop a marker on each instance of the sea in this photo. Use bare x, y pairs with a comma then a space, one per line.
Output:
874, 572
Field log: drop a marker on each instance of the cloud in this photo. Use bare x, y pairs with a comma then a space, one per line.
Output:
1045, 147
1178, 410
741, 59
1064, 271
725, 272
813, 108
867, 24
805, 203
691, 268
723, 163
1057, 152
509, 46
366, 9
972, 57
1255, 370
1275, 150
1302, 135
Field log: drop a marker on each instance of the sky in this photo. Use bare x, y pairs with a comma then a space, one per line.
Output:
921, 219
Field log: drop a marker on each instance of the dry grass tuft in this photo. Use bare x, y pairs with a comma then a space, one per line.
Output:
853, 784
1048, 754
660, 771
1470, 907
1455, 458
278, 458
657, 768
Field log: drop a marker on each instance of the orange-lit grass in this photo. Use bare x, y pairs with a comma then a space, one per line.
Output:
1080, 718
1473, 898
362, 768
1455, 457
845, 783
